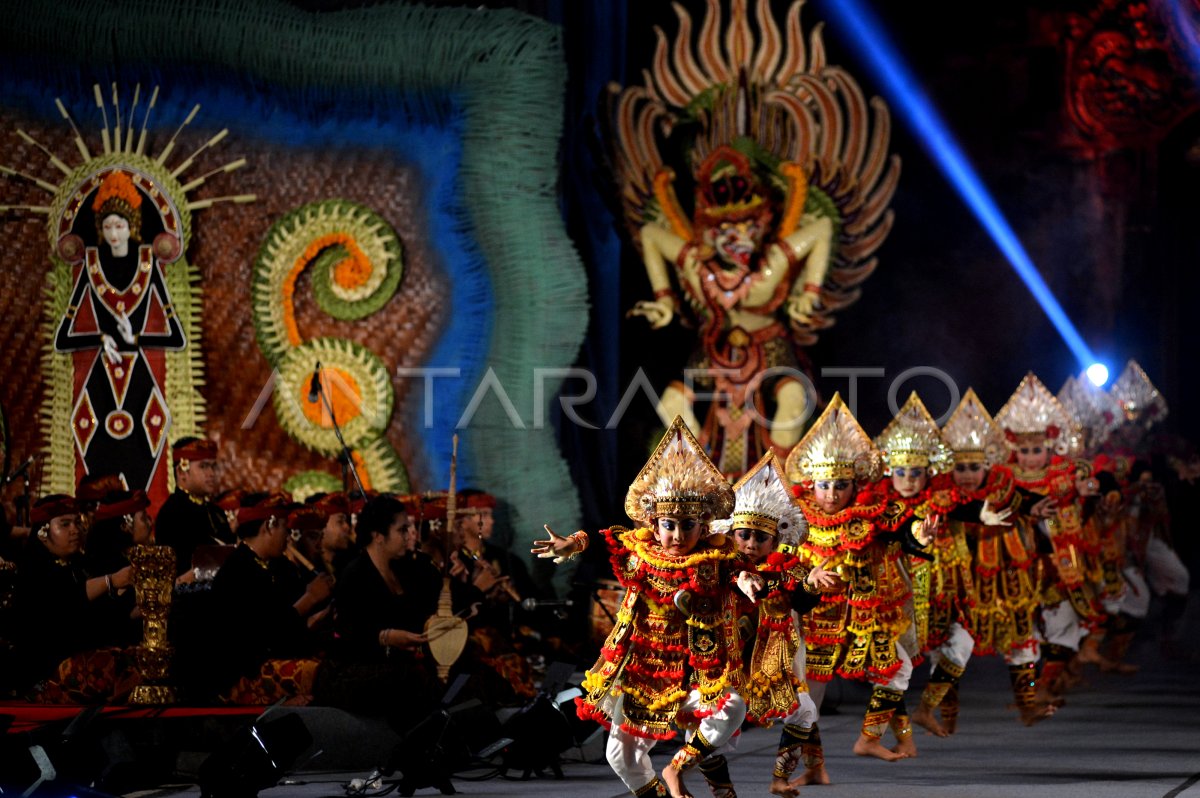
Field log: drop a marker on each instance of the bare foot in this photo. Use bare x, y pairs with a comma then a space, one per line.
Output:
1037, 713
1089, 654
906, 747
1048, 696
817, 775
1072, 675
870, 746
924, 718
949, 710
781, 786
674, 781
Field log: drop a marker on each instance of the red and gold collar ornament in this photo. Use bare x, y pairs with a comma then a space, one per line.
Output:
52, 507
138, 501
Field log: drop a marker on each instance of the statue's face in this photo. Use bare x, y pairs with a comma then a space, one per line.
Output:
1033, 456
115, 230
832, 495
736, 242
969, 476
679, 534
909, 480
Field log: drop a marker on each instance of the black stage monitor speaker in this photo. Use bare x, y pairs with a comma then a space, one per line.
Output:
254, 758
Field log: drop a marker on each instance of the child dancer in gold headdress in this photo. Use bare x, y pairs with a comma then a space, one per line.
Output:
673, 655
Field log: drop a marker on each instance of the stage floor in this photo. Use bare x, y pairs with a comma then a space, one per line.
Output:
1118, 737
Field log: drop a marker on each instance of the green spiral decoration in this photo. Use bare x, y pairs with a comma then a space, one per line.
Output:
310, 483
357, 265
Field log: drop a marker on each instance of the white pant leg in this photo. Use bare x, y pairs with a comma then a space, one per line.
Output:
629, 756
800, 661
1135, 598
719, 727
1062, 625
1165, 572
1023, 655
816, 694
957, 648
806, 714
899, 682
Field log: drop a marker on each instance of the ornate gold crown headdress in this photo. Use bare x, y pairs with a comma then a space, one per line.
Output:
763, 501
912, 439
1032, 412
836, 447
678, 479
1139, 400
972, 434
1097, 412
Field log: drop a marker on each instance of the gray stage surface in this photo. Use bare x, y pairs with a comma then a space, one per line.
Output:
1118, 737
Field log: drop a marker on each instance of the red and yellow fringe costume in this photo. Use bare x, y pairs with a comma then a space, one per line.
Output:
771, 683
655, 655
1063, 570
853, 632
1004, 614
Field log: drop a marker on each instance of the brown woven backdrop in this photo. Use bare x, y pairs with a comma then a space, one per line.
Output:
225, 243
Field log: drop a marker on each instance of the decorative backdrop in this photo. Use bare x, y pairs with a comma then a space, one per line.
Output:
433, 132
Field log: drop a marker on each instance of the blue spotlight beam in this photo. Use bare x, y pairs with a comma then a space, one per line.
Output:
1185, 26
862, 29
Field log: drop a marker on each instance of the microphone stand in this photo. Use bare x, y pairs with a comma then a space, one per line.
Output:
21, 503
344, 458
594, 591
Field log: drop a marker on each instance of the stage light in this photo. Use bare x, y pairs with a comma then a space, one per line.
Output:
1186, 27
862, 30
1098, 374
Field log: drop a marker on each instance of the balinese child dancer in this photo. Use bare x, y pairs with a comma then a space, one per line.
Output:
768, 528
855, 631
673, 656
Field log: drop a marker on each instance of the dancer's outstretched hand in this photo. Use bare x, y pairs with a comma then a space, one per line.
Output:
555, 546
990, 517
822, 578
750, 584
